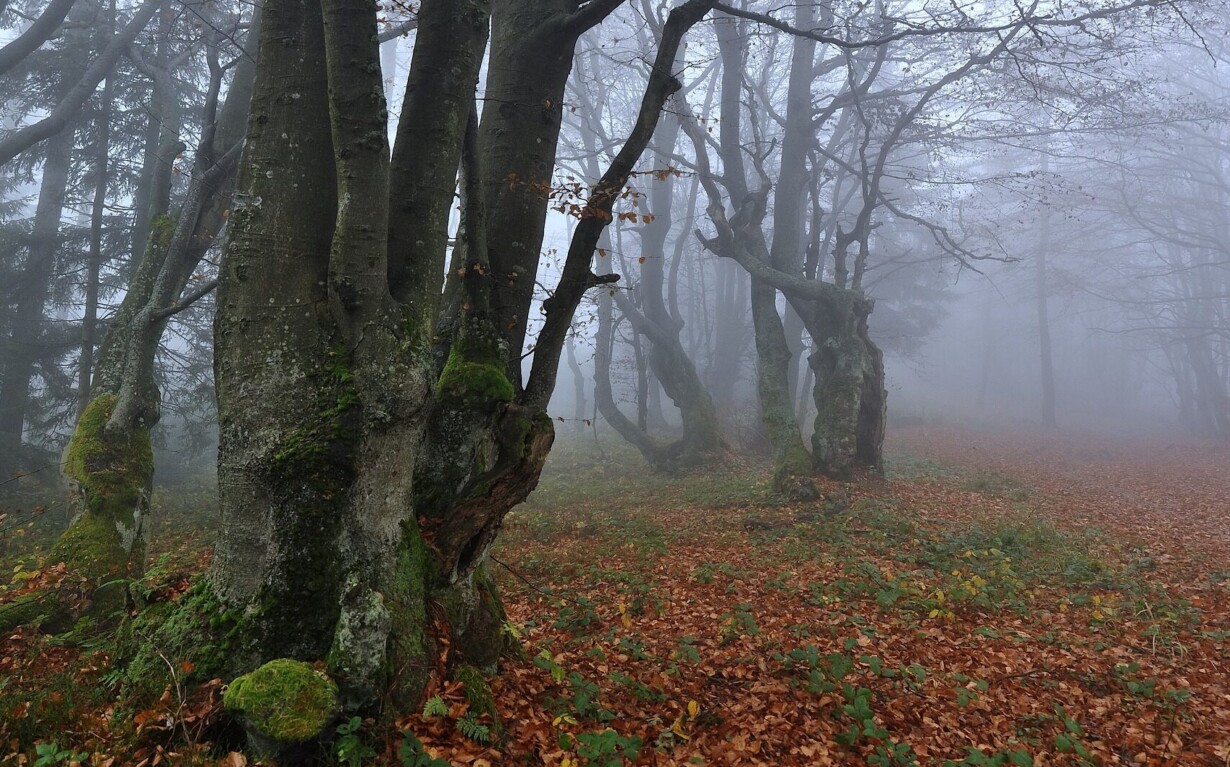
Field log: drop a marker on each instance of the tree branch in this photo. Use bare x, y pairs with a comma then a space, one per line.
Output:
1033, 22
19, 141
188, 299
590, 15
38, 33
577, 275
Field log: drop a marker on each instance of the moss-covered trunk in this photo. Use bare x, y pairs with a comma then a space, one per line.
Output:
360, 485
108, 465
365, 463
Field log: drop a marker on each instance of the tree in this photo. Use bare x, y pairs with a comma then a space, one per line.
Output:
108, 463
370, 447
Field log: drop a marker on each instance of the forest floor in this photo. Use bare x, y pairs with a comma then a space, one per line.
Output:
1034, 599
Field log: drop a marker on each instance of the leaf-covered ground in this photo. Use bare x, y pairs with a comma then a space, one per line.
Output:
995, 601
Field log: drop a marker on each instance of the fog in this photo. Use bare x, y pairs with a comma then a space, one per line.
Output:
600, 382
1037, 210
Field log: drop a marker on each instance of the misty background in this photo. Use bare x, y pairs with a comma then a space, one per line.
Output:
1046, 240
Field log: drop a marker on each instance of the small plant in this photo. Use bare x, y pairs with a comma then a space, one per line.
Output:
412, 753
602, 749
893, 755
474, 730
739, 623
50, 754
640, 690
578, 616
584, 699
350, 748
1069, 741
976, 758
687, 651
863, 724
544, 661
818, 673
435, 706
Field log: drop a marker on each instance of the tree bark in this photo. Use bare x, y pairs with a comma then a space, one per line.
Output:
436, 108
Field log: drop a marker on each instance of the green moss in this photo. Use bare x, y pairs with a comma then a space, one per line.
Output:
328, 440
477, 691
409, 664
112, 476
286, 700
92, 547
198, 629
162, 230
473, 382
113, 473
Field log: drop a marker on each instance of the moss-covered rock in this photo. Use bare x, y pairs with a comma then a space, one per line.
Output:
284, 700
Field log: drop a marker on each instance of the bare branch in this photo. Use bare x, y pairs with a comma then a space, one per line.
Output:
38, 33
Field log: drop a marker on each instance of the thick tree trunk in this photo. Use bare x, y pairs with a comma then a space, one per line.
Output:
363, 481
358, 498
850, 397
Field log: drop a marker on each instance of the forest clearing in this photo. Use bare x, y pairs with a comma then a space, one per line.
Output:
980, 605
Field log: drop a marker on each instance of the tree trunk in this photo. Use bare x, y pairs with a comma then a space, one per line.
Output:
580, 407
791, 464
850, 397
89, 321
108, 464
27, 317
1046, 360
444, 67
363, 480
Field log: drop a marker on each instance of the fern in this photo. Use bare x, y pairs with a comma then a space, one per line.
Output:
474, 730
435, 706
